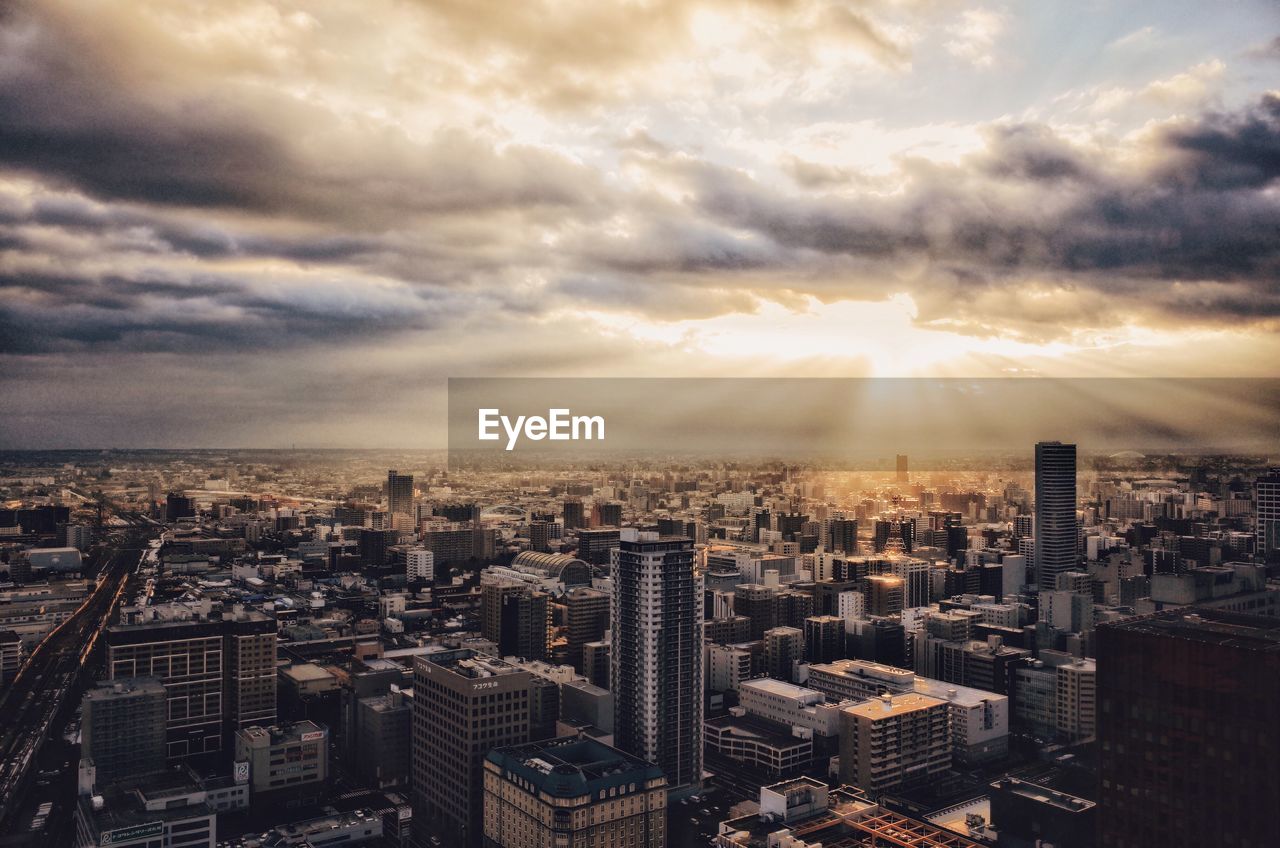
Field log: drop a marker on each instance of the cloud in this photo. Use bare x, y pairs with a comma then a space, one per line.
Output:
973, 37
250, 186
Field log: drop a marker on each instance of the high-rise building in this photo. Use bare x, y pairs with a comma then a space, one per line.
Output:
823, 638
885, 594
656, 656
382, 726
1055, 529
399, 493
574, 515
783, 647
1187, 733
842, 535
10, 656
464, 705
420, 564
572, 791
1267, 507
219, 674
587, 617
123, 730
450, 544
894, 742
607, 514
596, 546
901, 467
515, 617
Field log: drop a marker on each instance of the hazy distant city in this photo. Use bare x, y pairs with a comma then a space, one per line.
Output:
269, 648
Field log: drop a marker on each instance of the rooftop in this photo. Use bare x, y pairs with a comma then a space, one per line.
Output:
572, 767
1043, 794
1226, 629
893, 705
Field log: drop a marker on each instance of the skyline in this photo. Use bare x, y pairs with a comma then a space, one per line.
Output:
247, 226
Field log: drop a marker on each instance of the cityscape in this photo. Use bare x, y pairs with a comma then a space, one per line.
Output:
264, 648
639, 424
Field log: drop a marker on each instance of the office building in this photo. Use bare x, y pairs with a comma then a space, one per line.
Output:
894, 742
464, 705
516, 618
823, 638
1267, 511
400, 494
574, 792
169, 808
10, 656
885, 595
842, 535
1055, 527
383, 738
1028, 814
420, 565
1187, 706
287, 764
123, 728
783, 648
596, 546
656, 656
587, 620
574, 517
451, 544
219, 674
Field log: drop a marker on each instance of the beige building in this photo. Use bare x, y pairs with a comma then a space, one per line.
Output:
572, 792
894, 741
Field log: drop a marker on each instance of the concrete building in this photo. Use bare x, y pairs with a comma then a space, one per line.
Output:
789, 705
1055, 528
420, 564
894, 742
587, 620
464, 704
979, 719
573, 792
383, 738
783, 648
758, 747
10, 656
123, 728
289, 763
1028, 814
656, 657
169, 808
219, 674
1187, 702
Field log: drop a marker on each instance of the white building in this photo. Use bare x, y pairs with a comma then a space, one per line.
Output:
791, 705
420, 564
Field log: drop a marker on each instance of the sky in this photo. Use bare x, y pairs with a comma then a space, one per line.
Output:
250, 224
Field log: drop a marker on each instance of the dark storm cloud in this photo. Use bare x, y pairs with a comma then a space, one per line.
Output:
1194, 232
42, 313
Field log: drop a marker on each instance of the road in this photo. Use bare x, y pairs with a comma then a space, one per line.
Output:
39, 696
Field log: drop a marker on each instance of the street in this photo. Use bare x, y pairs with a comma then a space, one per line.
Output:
37, 705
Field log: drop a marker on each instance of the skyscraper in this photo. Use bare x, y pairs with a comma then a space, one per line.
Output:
656, 663
902, 468
399, 493
1187, 729
464, 705
1055, 529
1267, 494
